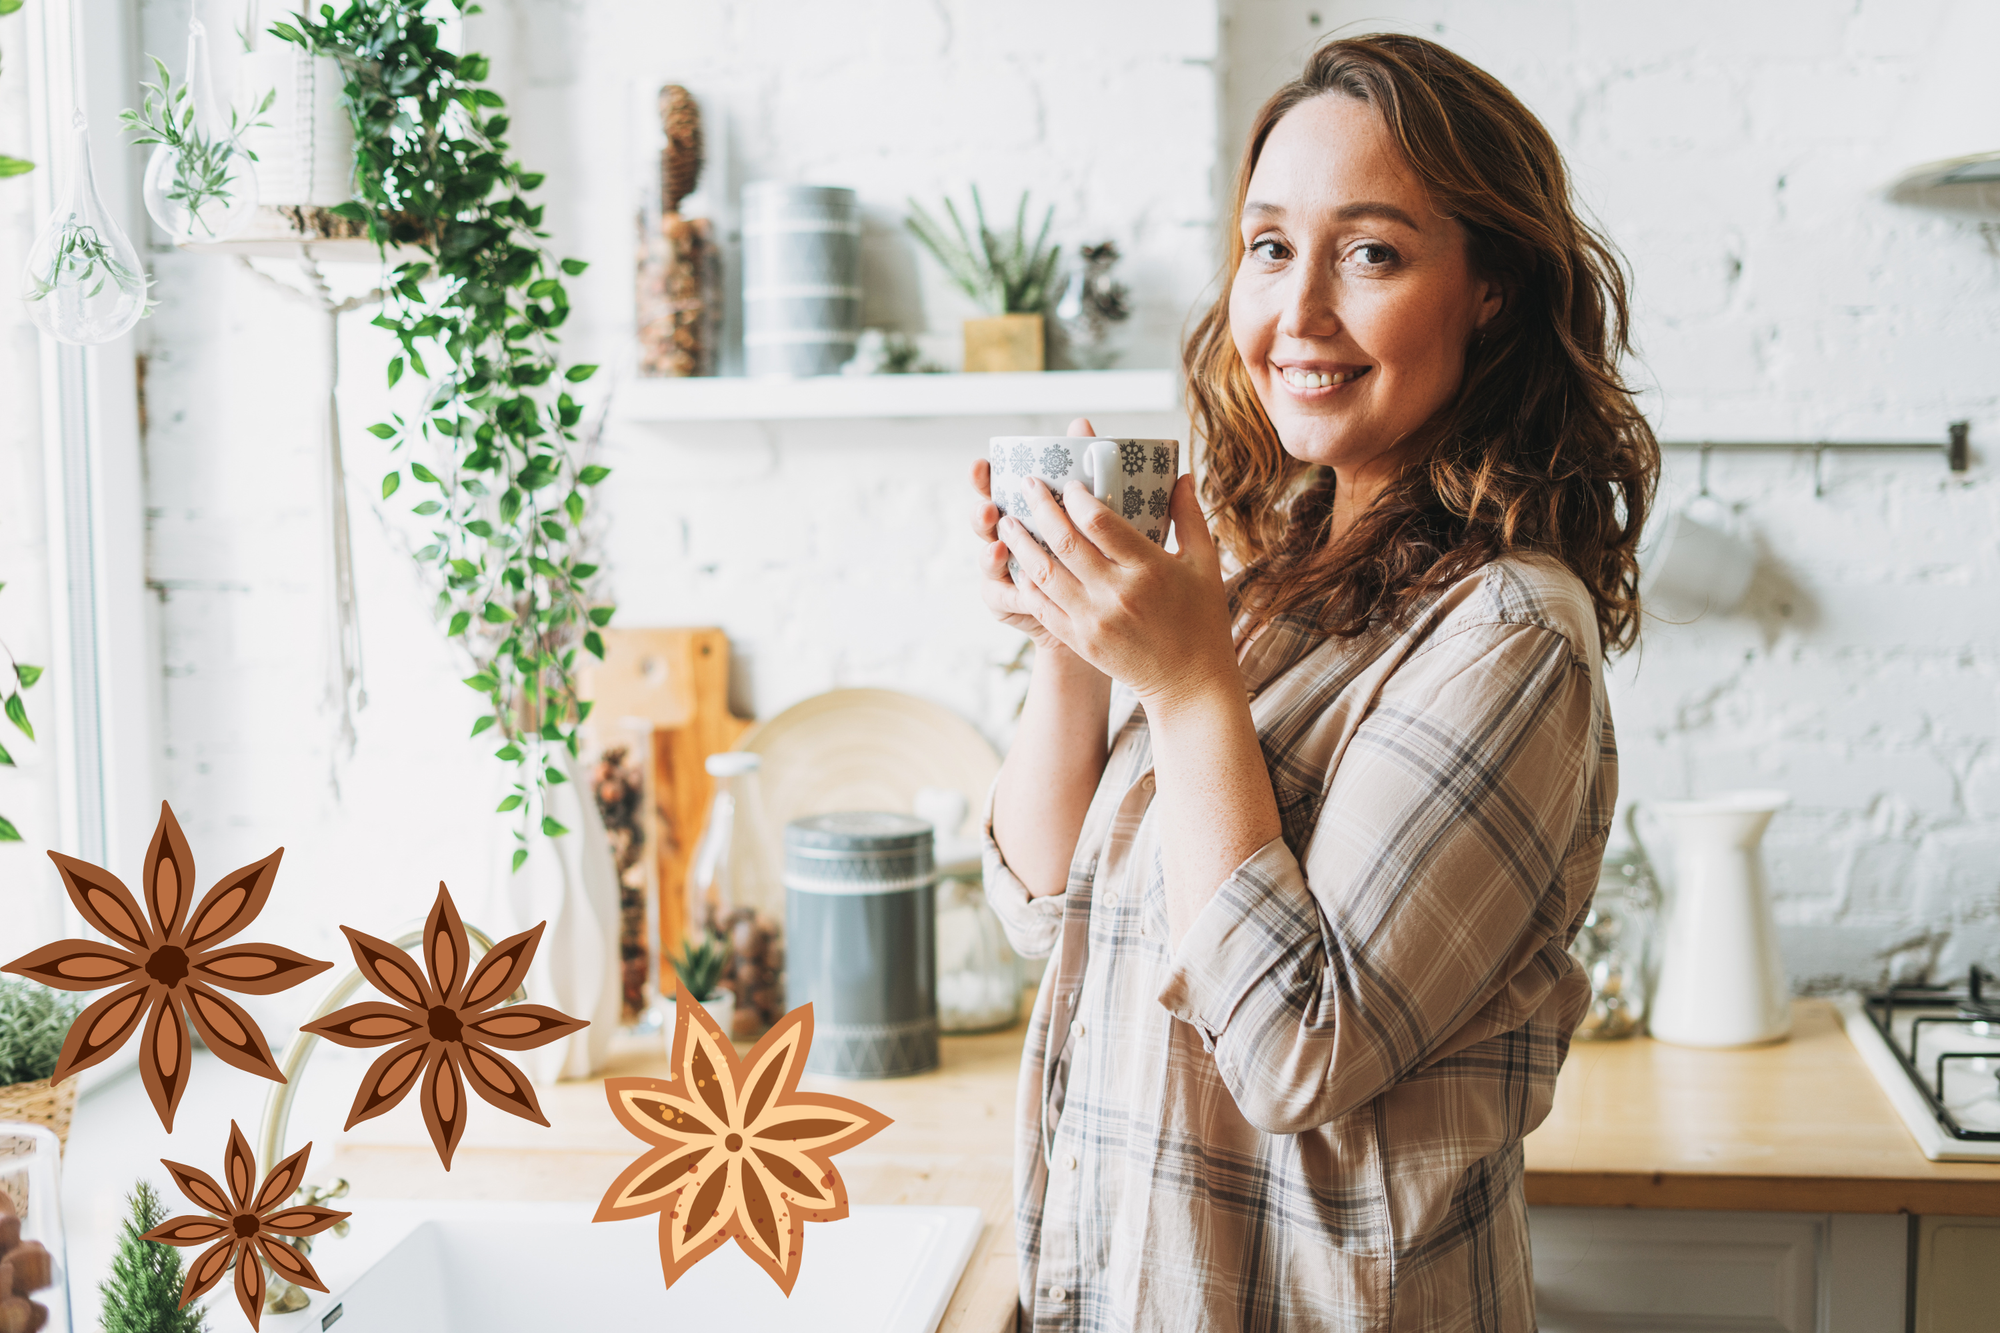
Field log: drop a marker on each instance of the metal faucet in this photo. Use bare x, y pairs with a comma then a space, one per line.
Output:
284, 1296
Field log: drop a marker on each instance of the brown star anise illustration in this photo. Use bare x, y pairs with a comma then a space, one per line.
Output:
445, 1033
246, 1227
166, 964
737, 1150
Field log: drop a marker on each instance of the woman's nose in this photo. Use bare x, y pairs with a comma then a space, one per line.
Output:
1311, 308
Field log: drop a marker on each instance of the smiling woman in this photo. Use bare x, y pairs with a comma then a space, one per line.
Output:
1309, 910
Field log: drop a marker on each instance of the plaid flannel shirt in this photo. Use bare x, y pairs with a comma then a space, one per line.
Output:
1309, 1116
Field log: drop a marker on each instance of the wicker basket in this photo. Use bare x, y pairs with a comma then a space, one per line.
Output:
37, 1103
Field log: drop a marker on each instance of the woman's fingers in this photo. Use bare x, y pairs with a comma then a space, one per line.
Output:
1039, 569
1109, 534
1082, 427
1190, 527
1076, 552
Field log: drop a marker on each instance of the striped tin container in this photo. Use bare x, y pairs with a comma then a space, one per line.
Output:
861, 932
801, 278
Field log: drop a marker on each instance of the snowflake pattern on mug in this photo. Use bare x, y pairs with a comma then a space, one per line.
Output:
1157, 506
1023, 459
1133, 503
1132, 457
1055, 460
1163, 461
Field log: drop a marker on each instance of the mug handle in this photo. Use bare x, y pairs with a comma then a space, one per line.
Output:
1100, 463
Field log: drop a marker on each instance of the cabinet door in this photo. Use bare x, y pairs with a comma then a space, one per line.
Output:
1958, 1274
1604, 1269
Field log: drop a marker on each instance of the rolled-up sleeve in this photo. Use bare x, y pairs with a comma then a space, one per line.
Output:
1032, 924
1432, 900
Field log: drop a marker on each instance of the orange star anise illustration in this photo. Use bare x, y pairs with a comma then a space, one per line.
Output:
445, 1033
737, 1150
166, 966
247, 1230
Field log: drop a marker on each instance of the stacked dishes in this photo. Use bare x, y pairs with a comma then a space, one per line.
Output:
801, 278
861, 918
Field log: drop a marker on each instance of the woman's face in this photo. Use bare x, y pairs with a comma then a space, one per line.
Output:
1355, 301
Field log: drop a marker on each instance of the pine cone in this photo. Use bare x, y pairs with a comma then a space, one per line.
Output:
680, 163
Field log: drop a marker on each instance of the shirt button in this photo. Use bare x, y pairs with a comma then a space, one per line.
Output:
1069, 1164
1077, 1027
1058, 1295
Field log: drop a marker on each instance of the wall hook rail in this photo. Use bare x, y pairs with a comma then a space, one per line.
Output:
1956, 448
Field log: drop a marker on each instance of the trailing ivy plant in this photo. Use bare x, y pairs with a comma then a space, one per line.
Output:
24, 677
13, 166
476, 316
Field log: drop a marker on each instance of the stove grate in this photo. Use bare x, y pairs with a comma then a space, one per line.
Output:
1974, 1007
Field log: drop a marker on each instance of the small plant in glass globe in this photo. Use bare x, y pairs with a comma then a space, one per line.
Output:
199, 184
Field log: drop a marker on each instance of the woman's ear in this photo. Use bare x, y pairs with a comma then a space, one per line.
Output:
1492, 299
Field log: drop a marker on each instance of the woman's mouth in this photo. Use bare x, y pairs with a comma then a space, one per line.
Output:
1318, 383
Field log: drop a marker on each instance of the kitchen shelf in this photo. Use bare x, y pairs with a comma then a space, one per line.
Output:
1044, 393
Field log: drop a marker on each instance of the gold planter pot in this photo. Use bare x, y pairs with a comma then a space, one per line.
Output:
1004, 342
37, 1103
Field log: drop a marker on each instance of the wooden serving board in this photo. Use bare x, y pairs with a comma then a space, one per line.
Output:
666, 691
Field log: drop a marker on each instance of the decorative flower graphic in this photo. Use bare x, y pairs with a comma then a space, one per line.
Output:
1132, 457
1163, 460
166, 964
247, 1230
1055, 461
443, 1033
1132, 503
1024, 458
735, 1148
1157, 506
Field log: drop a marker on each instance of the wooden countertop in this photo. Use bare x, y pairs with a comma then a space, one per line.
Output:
1797, 1126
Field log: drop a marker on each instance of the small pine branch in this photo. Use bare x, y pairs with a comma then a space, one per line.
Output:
143, 1292
34, 1021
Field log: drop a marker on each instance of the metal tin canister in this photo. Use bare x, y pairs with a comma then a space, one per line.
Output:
861, 931
801, 278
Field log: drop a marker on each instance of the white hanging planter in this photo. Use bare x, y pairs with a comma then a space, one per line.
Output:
305, 151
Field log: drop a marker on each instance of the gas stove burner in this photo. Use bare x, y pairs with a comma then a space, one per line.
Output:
1935, 1049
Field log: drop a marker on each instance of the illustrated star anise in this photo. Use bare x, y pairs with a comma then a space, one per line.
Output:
248, 1230
737, 1150
445, 1033
166, 965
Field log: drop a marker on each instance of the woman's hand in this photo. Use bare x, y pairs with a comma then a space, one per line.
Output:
1159, 622
996, 586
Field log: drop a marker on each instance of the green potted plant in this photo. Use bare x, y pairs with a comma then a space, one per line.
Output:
1008, 276
700, 968
143, 1292
17, 711
34, 1021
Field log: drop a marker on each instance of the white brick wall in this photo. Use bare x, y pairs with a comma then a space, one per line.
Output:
1735, 153
1732, 151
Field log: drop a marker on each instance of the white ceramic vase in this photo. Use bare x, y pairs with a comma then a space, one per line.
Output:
1722, 981
572, 883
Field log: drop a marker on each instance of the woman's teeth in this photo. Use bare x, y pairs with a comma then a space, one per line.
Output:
1308, 379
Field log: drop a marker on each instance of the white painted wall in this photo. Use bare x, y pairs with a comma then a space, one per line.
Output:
1732, 154
1736, 153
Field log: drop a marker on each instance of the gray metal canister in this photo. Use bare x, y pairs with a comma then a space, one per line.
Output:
861, 931
801, 278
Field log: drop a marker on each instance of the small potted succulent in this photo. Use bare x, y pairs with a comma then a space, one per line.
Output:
1008, 276
34, 1021
700, 968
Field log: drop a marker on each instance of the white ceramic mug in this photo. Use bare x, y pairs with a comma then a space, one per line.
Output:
1135, 478
1692, 565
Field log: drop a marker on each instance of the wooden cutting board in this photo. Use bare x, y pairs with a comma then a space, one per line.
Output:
666, 693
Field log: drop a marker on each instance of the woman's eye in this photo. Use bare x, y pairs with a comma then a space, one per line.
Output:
1268, 250
1375, 256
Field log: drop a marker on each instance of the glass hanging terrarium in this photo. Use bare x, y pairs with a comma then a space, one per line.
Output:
83, 283
200, 184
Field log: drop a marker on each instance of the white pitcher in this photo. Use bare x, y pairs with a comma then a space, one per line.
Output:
1722, 982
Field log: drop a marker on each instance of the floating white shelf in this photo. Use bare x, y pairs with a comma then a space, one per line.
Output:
1047, 393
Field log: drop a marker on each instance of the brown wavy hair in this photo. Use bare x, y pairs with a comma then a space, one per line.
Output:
1542, 448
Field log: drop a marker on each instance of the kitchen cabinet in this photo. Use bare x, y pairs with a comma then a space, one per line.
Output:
1958, 1275
1603, 1269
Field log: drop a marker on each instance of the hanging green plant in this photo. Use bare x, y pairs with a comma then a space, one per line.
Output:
13, 166
477, 317
23, 677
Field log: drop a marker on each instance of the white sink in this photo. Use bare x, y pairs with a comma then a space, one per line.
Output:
411, 1267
